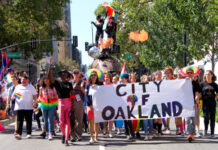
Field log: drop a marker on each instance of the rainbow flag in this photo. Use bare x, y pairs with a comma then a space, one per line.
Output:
6, 61
17, 95
45, 104
110, 10
7, 79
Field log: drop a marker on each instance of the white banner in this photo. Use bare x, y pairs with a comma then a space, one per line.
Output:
165, 99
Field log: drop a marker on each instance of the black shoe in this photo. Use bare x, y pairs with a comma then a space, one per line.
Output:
66, 143
73, 139
63, 139
137, 135
43, 134
54, 134
79, 139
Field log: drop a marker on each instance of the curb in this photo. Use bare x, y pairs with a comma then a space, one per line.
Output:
6, 121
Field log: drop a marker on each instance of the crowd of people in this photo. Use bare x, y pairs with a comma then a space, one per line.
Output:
66, 104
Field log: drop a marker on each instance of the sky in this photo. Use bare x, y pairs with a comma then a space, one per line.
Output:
82, 13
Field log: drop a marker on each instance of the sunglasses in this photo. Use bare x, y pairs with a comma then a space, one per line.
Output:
189, 72
76, 73
93, 75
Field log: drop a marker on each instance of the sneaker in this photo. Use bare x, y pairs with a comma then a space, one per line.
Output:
50, 137
150, 137
18, 136
79, 138
118, 132
96, 140
167, 131
91, 141
190, 138
110, 135
73, 139
53, 133
212, 136
198, 134
46, 137
15, 132
205, 133
146, 138
28, 136
182, 134
43, 134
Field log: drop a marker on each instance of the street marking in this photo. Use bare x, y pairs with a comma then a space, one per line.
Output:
101, 147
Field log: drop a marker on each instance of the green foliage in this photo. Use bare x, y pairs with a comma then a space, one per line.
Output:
101, 10
20, 20
166, 22
67, 64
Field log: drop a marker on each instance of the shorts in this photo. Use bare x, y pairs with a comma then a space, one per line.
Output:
90, 113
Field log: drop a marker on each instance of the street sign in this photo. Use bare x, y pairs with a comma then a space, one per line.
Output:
14, 54
127, 56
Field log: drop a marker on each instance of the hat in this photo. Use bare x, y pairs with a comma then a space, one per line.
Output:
183, 71
96, 71
63, 70
124, 75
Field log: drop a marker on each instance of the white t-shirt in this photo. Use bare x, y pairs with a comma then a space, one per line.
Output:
24, 97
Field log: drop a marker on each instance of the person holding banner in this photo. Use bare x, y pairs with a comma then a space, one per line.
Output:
158, 122
93, 82
108, 81
135, 123
118, 123
190, 121
127, 123
209, 94
168, 71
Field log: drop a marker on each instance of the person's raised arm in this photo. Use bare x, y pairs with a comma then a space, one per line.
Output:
51, 78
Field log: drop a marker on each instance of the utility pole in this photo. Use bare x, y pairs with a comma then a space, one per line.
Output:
185, 53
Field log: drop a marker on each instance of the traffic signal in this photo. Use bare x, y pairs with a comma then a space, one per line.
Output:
86, 46
75, 41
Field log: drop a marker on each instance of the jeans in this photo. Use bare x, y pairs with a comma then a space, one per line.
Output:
190, 124
148, 123
27, 114
48, 115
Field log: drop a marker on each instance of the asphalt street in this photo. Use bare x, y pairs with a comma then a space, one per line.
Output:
119, 142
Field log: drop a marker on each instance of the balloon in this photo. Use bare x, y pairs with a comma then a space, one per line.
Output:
135, 36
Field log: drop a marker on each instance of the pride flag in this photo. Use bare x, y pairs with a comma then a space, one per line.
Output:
7, 79
17, 95
48, 104
110, 10
6, 61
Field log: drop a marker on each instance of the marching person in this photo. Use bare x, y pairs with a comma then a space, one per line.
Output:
48, 99
127, 123
10, 103
64, 89
93, 127
76, 118
157, 122
209, 94
25, 97
108, 81
190, 121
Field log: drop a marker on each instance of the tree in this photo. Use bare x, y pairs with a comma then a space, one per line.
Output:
67, 64
21, 20
166, 22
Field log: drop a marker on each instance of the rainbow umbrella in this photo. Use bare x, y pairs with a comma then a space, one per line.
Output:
98, 72
195, 69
